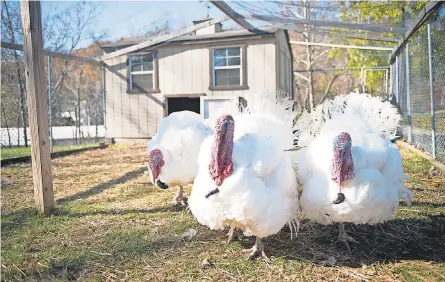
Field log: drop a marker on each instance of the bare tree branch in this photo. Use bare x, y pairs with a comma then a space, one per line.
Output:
302, 76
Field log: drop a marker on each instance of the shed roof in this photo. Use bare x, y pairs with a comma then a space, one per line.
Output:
201, 37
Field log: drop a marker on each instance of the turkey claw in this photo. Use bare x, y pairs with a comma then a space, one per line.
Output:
257, 250
232, 234
254, 253
345, 239
180, 201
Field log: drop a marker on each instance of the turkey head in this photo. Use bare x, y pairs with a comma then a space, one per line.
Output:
156, 162
342, 163
221, 165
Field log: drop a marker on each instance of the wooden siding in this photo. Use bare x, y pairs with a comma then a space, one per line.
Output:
284, 64
182, 70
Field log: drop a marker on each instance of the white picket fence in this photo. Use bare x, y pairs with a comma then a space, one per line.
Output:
59, 133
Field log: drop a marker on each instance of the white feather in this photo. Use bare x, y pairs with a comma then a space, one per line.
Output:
179, 137
180, 134
381, 117
267, 115
372, 196
259, 197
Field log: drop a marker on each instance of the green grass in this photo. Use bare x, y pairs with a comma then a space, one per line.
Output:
110, 224
14, 152
424, 122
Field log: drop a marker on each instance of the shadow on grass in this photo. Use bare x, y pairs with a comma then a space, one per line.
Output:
401, 239
15, 220
103, 186
18, 219
427, 204
61, 212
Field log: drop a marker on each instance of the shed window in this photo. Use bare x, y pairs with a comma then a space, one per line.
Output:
142, 73
227, 68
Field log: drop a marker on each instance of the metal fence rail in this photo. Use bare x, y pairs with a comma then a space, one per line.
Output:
418, 84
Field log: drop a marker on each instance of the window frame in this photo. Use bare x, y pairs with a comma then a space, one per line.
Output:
242, 67
154, 72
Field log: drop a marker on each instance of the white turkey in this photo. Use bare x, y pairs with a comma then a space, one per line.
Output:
173, 152
267, 115
350, 171
244, 181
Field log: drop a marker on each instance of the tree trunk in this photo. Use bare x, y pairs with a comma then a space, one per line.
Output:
18, 126
22, 103
78, 105
19, 78
97, 128
309, 60
328, 87
6, 124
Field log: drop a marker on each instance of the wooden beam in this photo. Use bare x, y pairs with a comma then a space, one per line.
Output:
292, 20
345, 69
159, 39
239, 19
53, 54
408, 146
37, 105
336, 34
341, 46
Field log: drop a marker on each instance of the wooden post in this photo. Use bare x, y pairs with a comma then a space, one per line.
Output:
37, 105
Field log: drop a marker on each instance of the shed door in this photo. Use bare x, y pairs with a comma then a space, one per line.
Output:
212, 107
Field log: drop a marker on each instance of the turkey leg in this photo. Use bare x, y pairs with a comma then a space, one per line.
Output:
257, 250
344, 238
179, 198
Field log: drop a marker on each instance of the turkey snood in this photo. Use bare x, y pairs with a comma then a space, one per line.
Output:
221, 165
342, 163
156, 162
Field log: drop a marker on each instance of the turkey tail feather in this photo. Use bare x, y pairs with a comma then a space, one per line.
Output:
380, 116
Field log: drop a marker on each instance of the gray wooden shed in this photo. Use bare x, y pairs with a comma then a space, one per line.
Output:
193, 72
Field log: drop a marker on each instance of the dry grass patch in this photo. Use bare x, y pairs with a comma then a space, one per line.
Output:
110, 224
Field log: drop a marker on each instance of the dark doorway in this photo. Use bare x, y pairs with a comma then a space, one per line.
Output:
183, 104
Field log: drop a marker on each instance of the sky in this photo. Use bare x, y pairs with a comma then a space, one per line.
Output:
131, 18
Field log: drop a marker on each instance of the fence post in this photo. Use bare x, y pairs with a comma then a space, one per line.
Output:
104, 98
50, 107
386, 83
397, 80
408, 94
37, 106
433, 118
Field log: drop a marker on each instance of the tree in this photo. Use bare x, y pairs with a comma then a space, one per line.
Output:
62, 32
311, 87
11, 29
375, 12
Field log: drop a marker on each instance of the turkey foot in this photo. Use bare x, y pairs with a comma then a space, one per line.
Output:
257, 250
344, 238
381, 226
179, 198
233, 235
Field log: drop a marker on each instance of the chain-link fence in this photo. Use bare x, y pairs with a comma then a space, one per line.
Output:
418, 85
75, 102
